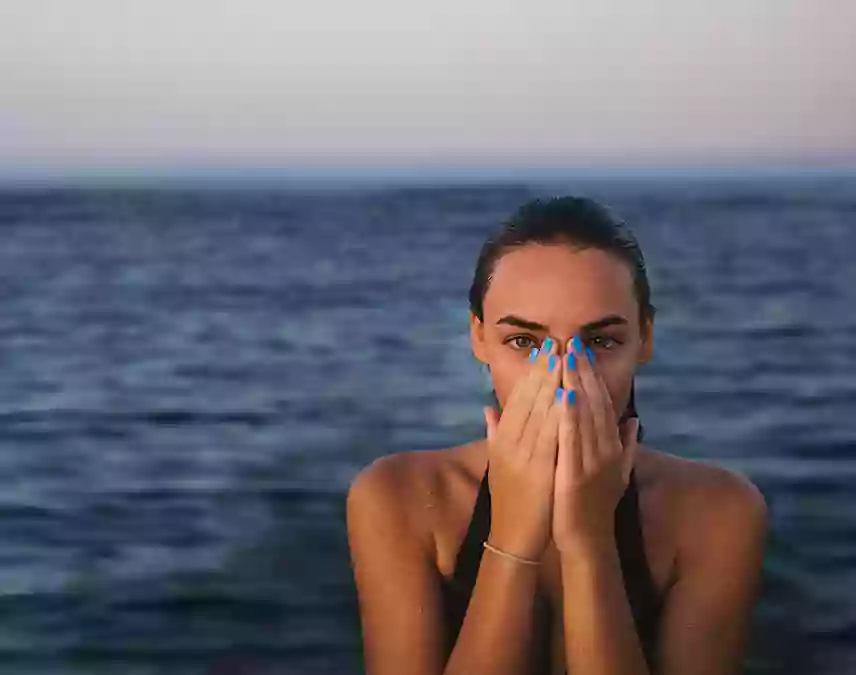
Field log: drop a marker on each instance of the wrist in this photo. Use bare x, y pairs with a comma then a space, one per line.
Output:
515, 546
528, 562
587, 547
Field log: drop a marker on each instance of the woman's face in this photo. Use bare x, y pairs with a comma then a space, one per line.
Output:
539, 291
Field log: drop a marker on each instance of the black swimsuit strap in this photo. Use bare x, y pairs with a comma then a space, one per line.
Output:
471, 550
641, 591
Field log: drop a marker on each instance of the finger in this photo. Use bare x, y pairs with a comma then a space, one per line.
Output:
594, 400
549, 365
491, 420
607, 400
570, 377
515, 411
547, 444
569, 463
587, 435
613, 439
630, 446
569, 365
519, 405
569, 434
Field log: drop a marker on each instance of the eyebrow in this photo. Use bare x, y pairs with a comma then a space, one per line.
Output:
609, 320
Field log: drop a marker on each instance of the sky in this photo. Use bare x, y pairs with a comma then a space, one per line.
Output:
95, 84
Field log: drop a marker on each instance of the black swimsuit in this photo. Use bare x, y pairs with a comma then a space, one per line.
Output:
641, 592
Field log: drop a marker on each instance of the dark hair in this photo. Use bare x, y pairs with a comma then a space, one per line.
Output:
577, 221
580, 222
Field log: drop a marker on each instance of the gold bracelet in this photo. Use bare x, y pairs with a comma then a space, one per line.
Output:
511, 556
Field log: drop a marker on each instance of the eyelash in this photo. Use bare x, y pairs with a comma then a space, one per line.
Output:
513, 341
606, 337
591, 341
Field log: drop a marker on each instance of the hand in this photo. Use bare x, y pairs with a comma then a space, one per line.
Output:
594, 460
521, 449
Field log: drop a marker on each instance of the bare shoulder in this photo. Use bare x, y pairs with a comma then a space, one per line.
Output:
383, 477
403, 477
693, 479
389, 482
405, 490
718, 521
709, 500
393, 557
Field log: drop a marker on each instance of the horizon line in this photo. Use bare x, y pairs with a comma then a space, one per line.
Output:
193, 173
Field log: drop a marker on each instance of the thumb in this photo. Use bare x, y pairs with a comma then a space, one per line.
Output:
630, 443
491, 420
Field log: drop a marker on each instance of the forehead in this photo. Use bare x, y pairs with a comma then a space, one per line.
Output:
560, 286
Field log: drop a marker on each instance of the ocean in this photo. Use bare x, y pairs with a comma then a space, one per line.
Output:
191, 376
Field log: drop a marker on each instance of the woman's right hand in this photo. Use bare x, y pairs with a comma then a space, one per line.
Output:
521, 446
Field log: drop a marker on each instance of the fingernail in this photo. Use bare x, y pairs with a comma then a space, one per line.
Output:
590, 354
578, 344
533, 355
559, 393
551, 362
547, 346
572, 361
572, 396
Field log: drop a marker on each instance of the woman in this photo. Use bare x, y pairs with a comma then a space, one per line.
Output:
560, 543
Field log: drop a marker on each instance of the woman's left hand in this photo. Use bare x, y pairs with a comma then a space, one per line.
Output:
594, 460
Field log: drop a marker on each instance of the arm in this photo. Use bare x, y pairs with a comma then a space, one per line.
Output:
720, 549
707, 612
399, 589
593, 469
706, 618
600, 635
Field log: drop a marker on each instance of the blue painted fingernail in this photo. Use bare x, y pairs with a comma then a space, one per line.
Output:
572, 361
590, 354
533, 355
559, 393
547, 346
551, 362
572, 396
578, 344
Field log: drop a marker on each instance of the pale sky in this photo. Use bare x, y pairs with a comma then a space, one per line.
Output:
94, 83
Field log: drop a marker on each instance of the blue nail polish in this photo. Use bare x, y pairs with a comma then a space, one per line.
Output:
578, 344
572, 396
590, 354
559, 393
547, 346
533, 355
551, 362
572, 361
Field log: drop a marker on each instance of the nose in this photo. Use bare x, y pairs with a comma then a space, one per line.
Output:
564, 343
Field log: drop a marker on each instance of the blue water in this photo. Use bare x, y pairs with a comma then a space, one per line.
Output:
190, 378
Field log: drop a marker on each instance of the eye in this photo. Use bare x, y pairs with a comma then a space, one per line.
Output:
604, 342
524, 342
